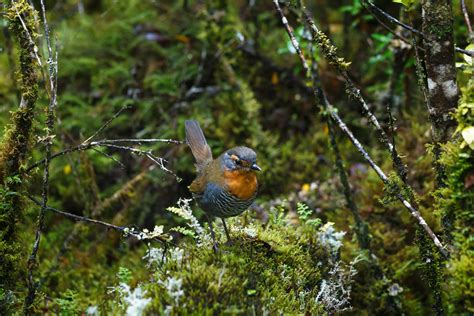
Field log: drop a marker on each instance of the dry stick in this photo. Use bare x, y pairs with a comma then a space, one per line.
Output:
333, 112
104, 142
406, 26
466, 16
127, 230
329, 52
385, 26
53, 72
125, 107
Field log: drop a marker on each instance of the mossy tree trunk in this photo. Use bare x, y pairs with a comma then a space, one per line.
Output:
441, 72
442, 94
14, 147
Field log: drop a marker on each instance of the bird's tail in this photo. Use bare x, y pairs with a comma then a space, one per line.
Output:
198, 144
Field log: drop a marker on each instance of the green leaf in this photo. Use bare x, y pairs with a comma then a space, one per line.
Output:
468, 135
406, 3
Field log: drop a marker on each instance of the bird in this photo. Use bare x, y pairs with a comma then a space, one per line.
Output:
226, 186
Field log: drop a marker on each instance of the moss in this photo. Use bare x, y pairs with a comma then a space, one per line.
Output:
15, 147
268, 272
438, 17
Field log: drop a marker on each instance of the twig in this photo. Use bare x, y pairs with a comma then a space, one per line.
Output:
329, 52
333, 112
361, 227
126, 230
373, 7
385, 26
104, 142
142, 140
414, 212
109, 156
104, 126
53, 72
466, 16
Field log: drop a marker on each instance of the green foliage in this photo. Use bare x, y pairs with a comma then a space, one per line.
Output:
124, 275
455, 201
228, 65
67, 304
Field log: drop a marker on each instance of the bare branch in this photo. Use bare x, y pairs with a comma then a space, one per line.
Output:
128, 231
125, 107
104, 143
373, 8
466, 17
330, 53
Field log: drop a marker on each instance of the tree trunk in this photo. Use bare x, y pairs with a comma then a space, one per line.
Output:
440, 68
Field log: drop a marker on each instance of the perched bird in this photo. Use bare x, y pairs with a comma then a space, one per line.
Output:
225, 186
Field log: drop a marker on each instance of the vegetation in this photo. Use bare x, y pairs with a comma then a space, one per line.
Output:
361, 116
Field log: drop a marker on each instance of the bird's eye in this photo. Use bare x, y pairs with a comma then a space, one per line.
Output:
236, 159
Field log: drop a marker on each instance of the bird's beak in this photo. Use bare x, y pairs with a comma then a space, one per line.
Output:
255, 167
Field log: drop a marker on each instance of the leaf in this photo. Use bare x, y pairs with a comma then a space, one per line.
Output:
468, 135
468, 58
406, 3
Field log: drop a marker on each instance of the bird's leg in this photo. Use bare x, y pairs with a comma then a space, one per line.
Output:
212, 233
226, 232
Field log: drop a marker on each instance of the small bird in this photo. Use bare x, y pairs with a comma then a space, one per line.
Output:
226, 186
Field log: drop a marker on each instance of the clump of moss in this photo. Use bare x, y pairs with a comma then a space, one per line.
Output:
455, 201
279, 267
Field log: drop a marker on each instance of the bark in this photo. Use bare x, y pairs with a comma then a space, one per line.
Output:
440, 67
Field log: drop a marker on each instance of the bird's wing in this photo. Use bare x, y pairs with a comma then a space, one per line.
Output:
198, 185
198, 144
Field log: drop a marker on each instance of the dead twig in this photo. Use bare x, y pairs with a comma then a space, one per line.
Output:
128, 231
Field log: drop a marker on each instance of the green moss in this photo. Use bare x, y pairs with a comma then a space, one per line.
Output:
278, 270
14, 149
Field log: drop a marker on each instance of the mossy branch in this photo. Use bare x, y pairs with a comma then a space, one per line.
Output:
335, 116
15, 144
330, 52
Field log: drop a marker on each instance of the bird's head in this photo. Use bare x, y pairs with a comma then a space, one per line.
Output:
240, 159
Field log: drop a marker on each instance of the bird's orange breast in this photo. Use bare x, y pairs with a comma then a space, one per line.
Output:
242, 184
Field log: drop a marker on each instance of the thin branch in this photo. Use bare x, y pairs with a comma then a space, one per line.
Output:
413, 211
333, 112
385, 26
466, 16
104, 142
142, 140
372, 7
330, 53
128, 231
53, 72
125, 107
109, 156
